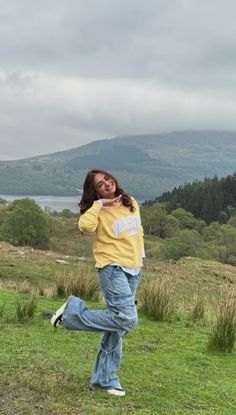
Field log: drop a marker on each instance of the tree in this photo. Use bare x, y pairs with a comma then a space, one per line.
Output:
227, 242
223, 217
156, 221
25, 223
212, 232
220, 242
185, 219
232, 221
67, 213
2, 201
204, 199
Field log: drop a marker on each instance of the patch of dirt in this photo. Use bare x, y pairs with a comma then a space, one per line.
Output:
229, 268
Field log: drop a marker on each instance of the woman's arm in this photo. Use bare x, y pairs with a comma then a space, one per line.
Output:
89, 220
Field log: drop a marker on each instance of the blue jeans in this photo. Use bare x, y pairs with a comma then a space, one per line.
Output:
119, 317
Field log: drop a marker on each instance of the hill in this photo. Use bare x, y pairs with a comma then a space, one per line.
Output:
147, 165
27, 269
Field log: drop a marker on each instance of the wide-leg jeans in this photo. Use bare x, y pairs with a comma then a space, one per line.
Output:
119, 317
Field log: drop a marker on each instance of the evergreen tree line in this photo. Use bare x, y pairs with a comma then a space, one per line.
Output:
211, 199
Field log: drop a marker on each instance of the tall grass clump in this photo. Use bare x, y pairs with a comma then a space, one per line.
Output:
198, 308
2, 309
84, 284
223, 334
25, 308
156, 299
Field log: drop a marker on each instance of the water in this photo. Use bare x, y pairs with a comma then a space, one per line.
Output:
57, 203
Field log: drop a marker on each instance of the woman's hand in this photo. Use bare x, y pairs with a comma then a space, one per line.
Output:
110, 202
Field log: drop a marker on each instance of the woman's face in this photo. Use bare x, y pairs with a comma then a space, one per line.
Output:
104, 186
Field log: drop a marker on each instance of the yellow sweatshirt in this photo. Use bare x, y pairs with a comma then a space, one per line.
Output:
119, 234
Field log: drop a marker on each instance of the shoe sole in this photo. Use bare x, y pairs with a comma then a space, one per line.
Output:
57, 317
116, 392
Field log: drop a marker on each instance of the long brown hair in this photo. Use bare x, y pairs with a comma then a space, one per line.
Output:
90, 195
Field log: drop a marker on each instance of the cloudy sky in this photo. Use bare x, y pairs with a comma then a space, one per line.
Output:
75, 71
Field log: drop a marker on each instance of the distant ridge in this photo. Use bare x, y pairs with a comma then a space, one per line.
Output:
146, 164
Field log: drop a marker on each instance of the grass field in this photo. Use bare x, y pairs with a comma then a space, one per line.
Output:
166, 368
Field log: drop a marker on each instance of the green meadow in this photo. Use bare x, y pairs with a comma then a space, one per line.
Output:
166, 368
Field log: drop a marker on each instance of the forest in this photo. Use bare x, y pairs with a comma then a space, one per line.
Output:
197, 220
211, 199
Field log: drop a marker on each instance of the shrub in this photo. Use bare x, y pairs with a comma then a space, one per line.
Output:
186, 243
223, 334
25, 308
153, 252
155, 298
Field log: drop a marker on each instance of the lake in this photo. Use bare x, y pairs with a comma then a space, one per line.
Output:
57, 203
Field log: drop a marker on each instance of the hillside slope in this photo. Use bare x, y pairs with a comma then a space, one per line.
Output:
147, 165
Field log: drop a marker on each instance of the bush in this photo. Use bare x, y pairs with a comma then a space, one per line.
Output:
223, 334
155, 298
153, 252
186, 243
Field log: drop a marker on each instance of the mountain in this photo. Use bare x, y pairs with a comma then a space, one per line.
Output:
146, 165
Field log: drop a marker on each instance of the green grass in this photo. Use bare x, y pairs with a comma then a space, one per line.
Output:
166, 369
33, 267
189, 275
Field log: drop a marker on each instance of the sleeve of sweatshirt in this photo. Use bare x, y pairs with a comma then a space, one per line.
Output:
89, 220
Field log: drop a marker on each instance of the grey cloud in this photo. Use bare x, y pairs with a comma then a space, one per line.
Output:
113, 39
74, 71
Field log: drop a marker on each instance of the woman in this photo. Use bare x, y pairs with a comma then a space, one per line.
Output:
118, 251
